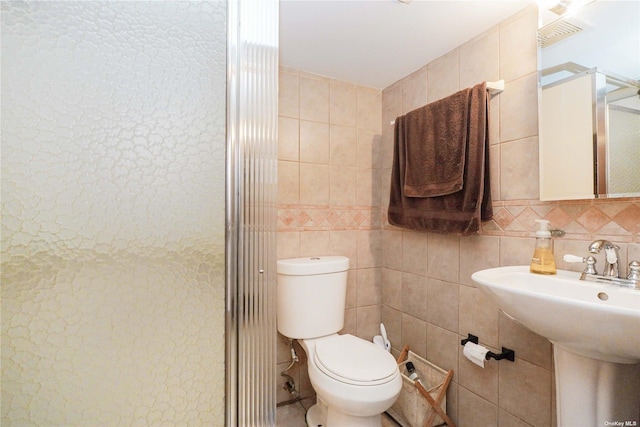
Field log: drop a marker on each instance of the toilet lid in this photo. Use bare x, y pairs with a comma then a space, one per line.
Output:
354, 361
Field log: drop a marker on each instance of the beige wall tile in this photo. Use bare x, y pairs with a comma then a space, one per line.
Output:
369, 108
392, 288
369, 248
519, 170
444, 73
442, 348
288, 94
314, 99
452, 402
519, 108
480, 59
283, 354
304, 384
442, 304
477, 253
343, 185
344, 243
633, 251
288, 182
385, 190
531, 347
314, 184
368, 148
288, 139
314, 142
481, 381
391, 108
414, 295
516, 250
478, 316
369, 285
392, 249
344, 146
392, 102
288, 244
414, 90
283, 395
414, 252
494, 119
350, 322
414, 334
315, 243
444, 257
368, 187
392, 320
505, 419
494, 167
518, 46
474, 411
352, 289
342, 103
520, 379
368, 321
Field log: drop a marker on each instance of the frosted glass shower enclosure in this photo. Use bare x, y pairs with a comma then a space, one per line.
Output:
115, 259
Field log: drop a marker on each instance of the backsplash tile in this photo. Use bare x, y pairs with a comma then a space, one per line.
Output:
581, 220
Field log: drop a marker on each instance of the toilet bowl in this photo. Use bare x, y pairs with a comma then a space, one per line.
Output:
355, 380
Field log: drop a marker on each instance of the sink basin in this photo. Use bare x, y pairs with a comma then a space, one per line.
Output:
596, 320
595, 331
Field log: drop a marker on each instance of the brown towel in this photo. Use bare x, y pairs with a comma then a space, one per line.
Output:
435, 146
459, 212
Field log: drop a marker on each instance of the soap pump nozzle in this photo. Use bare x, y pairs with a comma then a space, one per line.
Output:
544, 228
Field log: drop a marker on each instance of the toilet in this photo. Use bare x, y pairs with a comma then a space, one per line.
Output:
355, 381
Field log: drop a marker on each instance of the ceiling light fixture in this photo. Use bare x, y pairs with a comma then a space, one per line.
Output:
562, 7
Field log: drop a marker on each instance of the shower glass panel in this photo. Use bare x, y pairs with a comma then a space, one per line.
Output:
252, 212
113, 219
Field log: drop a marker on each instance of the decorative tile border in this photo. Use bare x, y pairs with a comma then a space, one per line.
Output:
319, 218
581, 220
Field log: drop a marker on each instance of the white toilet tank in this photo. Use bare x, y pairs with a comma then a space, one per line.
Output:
311, 296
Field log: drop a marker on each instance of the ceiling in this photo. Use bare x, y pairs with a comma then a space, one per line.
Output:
377, 42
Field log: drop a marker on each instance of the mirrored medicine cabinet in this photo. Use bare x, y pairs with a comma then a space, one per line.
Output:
589, 101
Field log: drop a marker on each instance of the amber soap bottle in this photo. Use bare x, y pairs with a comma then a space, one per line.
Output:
543, 261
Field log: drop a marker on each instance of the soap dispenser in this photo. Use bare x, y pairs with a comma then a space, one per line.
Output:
542, 261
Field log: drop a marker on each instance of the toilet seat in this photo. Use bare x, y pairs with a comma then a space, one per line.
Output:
352, 360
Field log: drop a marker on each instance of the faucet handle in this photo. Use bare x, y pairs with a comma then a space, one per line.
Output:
634, 270
573, 258
590, 261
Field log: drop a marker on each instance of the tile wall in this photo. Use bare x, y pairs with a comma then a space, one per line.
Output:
429, 300
329, 192
419, 284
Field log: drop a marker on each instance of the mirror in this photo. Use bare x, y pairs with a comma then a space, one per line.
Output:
589, 79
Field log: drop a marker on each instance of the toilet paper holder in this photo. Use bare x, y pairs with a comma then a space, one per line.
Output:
506, 352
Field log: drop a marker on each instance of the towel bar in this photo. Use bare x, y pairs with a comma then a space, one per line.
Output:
493, 88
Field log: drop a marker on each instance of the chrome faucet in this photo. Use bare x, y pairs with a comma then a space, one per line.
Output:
611, 256
611, 273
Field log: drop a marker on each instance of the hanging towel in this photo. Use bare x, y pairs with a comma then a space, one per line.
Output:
435, 142
459, 212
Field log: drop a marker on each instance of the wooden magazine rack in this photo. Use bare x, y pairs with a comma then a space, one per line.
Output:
434, 402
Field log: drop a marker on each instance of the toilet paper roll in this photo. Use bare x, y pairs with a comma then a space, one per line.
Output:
476, 353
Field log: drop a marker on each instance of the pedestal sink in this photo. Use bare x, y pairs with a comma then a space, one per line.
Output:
595, 331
